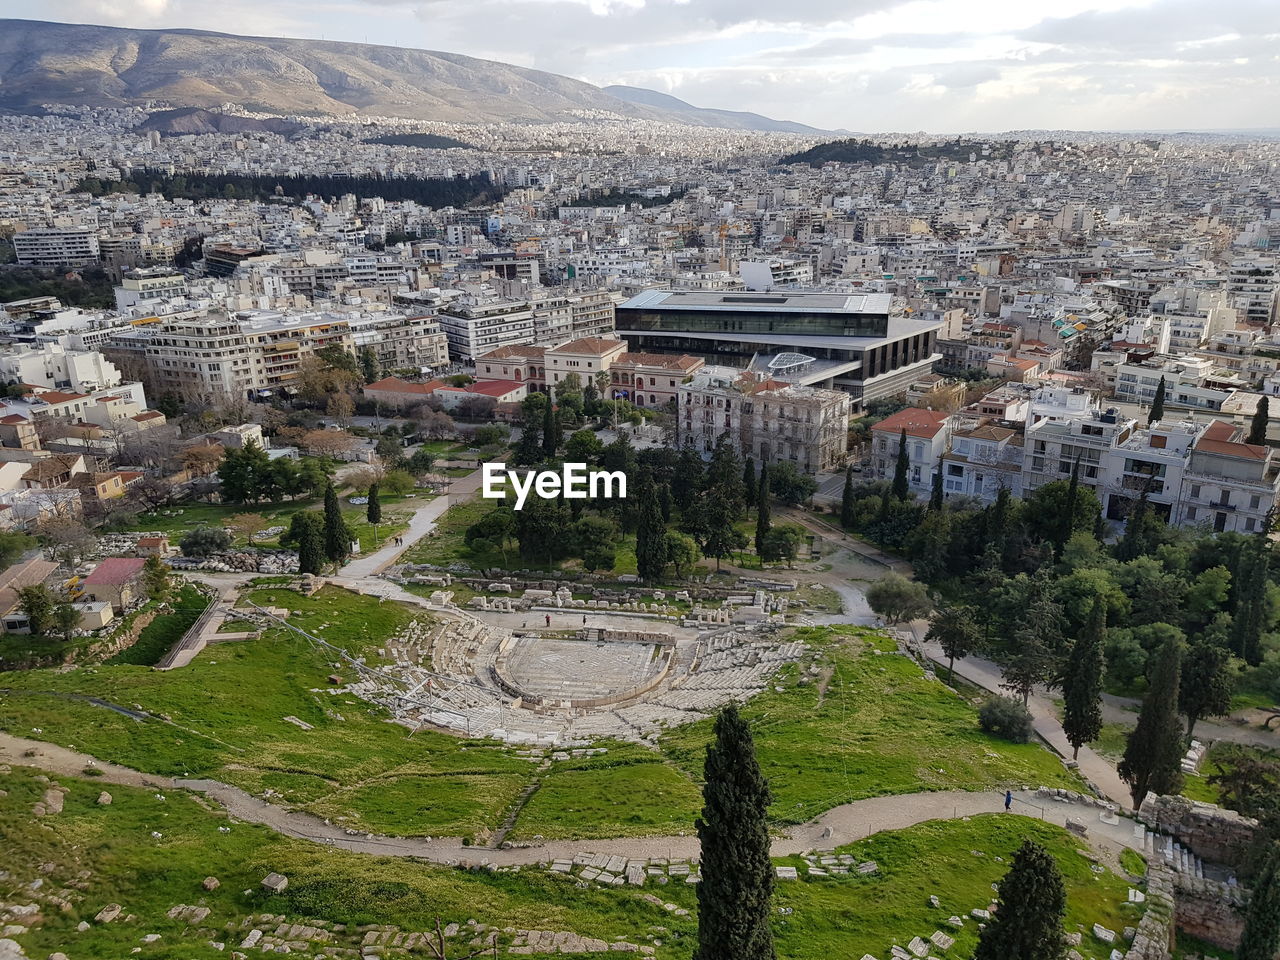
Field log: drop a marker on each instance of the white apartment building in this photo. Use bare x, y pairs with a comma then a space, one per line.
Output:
1190, 382
57, 247
478, 327
398, 341
51, 365
775, 272
927, 434
768, 420
139, 287
1252, 283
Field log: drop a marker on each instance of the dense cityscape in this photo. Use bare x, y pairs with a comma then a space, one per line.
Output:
929, 605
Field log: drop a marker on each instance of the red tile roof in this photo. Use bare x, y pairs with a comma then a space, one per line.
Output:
917, 422
1218, 438
396, 385
494, 388
115, 571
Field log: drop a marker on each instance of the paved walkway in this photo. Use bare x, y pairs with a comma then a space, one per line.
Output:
837, 827
1044, 718
421, 523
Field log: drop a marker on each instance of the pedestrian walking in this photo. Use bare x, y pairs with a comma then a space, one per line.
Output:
1008, 800
584, 619
548, 619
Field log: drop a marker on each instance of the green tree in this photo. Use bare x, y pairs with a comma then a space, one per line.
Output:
898, 599
1249, 620
1082, 682
1068, 514
1152, 759
306, 533
37, 602
683, 551
1032, 904
782, 543
337, 538
204, 541
900, 487
583, 446
956, 630
243, 474
155, 577
1048, 514
370, 369
651, 535
789, 485
1261, 937
373, 511
687, 479
762, 508
1261, 420
724, 478
1157, 403
1206, 684
66, 619
737, 874
550, 431
749, 486
848, 502
935, 491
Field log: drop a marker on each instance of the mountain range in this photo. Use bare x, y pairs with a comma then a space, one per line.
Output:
96, 66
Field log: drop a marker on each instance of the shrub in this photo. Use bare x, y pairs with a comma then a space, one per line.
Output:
1006, 718
204, 541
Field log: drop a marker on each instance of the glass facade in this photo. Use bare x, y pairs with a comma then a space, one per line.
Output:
797, 324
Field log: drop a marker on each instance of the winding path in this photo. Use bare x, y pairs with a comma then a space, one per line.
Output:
837, 827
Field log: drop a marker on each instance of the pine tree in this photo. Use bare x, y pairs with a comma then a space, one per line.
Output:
900, 488
762, 508
1152, 760
1032, 904
737, 875
686, 480
1261, 937
337, 539
550, 431
651, 533
373, 512
1206, 684
1157, 404
847, 505
1258, 425
1082, 682
935, 493
1249, 619
956, 631
749, 482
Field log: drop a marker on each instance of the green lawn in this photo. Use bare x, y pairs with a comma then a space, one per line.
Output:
129, 865
853, 915
628, 791
880, 728
227, 711
166, 629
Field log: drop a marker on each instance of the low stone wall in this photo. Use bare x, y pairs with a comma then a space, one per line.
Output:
1154, 937
1211, 833
1211, 910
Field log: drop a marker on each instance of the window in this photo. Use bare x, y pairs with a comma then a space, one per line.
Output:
1195, 491
1253, 503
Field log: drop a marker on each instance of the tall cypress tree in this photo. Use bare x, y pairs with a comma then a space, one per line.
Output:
1033, 902
1261, 420
1069, 513
749, 482
737, 876
373, 512
1250, 593
307, 530
651, 532
1157, 404
846, 501
900, 488
1082, 682
337, 539
1152, 760
935, 493
1206, 684
550, 430
1261, 937
762, 508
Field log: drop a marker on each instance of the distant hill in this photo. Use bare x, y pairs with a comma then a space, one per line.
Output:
426, 141
191, 120
913, 154
83, 65
706, 116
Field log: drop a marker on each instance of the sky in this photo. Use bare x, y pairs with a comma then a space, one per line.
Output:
942, 66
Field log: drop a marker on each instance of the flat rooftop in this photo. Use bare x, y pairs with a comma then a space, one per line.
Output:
777, 302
